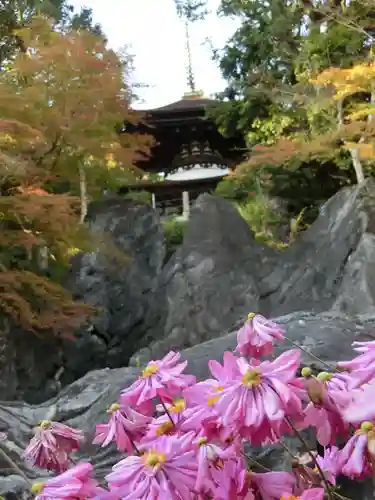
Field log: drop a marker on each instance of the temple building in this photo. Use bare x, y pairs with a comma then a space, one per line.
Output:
190, 155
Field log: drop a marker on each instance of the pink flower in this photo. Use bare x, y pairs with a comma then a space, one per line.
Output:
160, 378
167, 424
328, 423
125, 426
362, 406
210, 456
74, 484
259, 397
330, 464
202, 399
357, 456
272, 485
256, 337
329, 395
311, 494
51, 444
231, 481
169, 470
363, 366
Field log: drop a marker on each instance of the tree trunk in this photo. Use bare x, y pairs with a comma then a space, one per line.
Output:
83, 193
356, 160
354, 153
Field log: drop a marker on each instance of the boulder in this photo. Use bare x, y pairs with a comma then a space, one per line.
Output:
220, 273
217, 276
83, 403
29, 366
118, 278
307, 277
209, 283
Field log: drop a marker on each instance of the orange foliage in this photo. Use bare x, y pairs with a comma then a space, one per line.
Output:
61, 103
285, 150
64, 99
38, 305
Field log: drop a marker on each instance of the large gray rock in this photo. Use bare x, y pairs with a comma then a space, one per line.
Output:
220, 273
83, 403
357, 291
309, 274
118, 278
29, 365
209, 283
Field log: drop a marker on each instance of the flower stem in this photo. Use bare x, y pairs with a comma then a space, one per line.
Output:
287, 450
166, 411
313, 458
341, 497
14, 466
259, 465
310, 354
134, 446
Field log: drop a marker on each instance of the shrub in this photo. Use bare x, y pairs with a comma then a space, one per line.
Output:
262, 218
174, 230
139, 196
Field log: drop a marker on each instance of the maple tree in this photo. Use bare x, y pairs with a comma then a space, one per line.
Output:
356, 125
15, 14
290, 122
62, 105
344, 98
69, 88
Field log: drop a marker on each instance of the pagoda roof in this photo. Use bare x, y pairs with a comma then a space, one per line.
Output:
166, 185
187, 103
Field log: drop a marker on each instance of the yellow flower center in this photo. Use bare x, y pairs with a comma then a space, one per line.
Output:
306, 372
178, 406
367, 427
37, 488
114, 407
202, 441
252, 377
45, 424
164, 428
213, 399
153, 458
290, 497
250, 316
324, 376
150, 370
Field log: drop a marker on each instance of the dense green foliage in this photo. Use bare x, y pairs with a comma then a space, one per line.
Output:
139, 196
269, 64
174, 230
62, 98
16, 14
263, 218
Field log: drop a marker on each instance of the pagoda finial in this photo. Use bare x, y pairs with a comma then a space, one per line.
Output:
190, 73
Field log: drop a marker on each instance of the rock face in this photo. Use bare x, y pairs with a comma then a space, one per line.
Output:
329, 267
308, 276
118, 278
218, 275
84, 403
209, 283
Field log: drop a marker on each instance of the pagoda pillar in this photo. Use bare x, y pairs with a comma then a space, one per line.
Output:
185, 204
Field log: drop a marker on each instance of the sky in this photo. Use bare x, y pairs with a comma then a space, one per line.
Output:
156, 38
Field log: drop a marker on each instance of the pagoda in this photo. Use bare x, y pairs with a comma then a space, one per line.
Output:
186, 142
